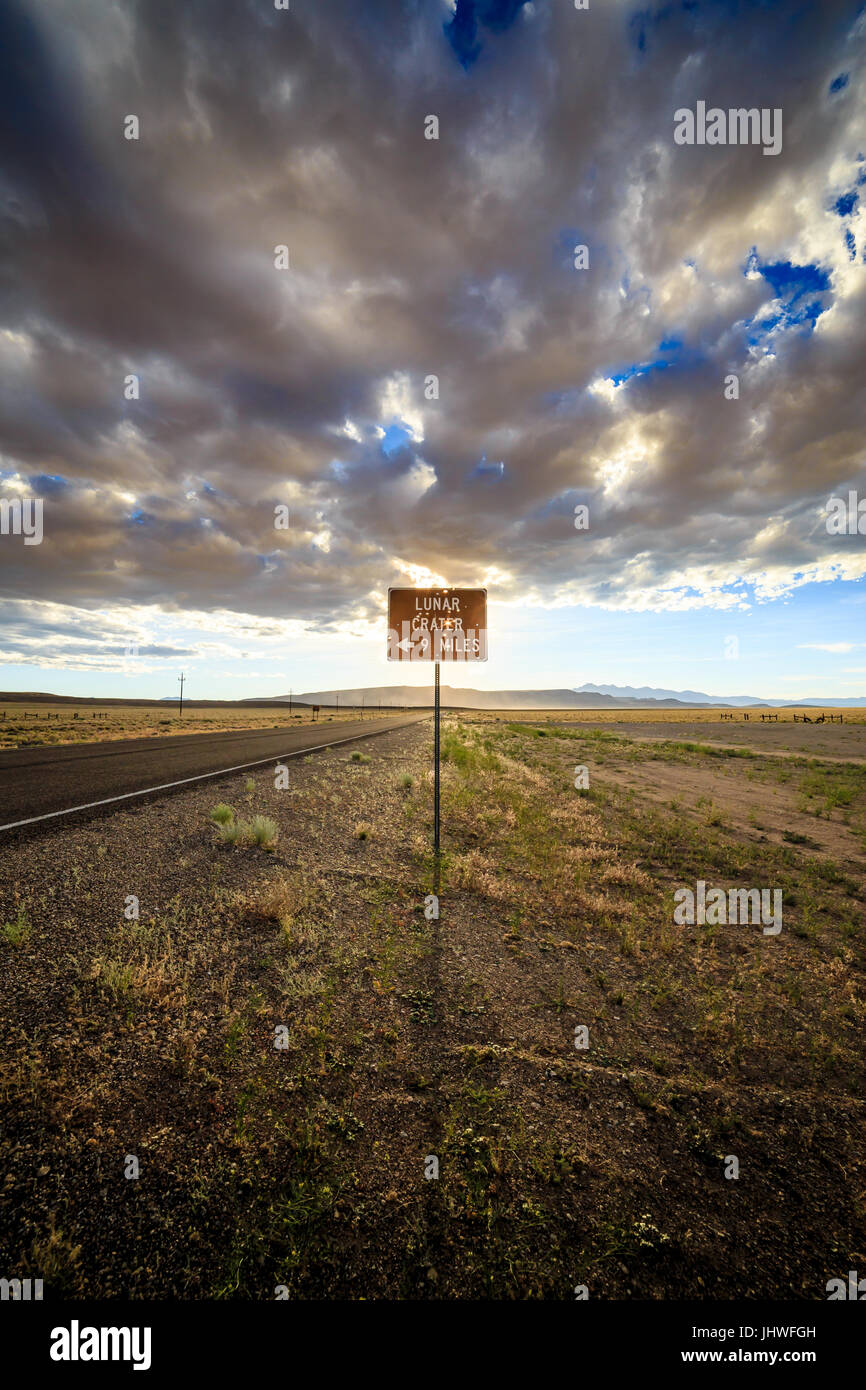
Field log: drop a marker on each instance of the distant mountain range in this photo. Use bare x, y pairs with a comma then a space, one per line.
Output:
417, 696
460, 697
643, 693
649, 692
585, 697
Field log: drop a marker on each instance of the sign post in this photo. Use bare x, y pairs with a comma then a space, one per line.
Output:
437, 625
436, 771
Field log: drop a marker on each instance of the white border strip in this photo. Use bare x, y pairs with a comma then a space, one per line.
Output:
200, 777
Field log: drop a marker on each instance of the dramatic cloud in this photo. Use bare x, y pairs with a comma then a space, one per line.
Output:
411, 258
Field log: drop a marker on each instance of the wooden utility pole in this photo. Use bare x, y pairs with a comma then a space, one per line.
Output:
180, 708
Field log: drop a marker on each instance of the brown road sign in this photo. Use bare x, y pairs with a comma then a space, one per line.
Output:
437, 624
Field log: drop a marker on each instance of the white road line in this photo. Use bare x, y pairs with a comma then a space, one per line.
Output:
200, 777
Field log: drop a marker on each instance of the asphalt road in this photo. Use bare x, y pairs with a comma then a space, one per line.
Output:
42, 781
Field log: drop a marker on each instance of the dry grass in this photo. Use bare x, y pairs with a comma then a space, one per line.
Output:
692, 714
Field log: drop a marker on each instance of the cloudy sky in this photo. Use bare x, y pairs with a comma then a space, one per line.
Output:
707, 562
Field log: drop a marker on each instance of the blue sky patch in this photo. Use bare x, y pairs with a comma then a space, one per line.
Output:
397, 436
483, 469
796, 286
787, 279
47, 483
670, 352
462, 30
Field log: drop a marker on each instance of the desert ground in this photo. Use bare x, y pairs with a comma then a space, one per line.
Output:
705, 718
33, 723
247, 1091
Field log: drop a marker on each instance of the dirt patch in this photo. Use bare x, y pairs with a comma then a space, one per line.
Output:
722, 796
846, 741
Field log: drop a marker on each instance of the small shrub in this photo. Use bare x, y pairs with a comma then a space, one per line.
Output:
222, 814
250, 785
17, 931
360, 758
263, 831
231, 832
363, 831
274, 902
407, 781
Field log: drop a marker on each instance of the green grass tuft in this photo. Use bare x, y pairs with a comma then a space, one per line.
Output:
16, 931
261, 830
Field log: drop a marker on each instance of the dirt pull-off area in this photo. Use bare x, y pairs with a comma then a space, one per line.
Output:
845, 741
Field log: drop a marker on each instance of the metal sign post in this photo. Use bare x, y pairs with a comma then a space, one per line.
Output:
437, 625
436, 772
